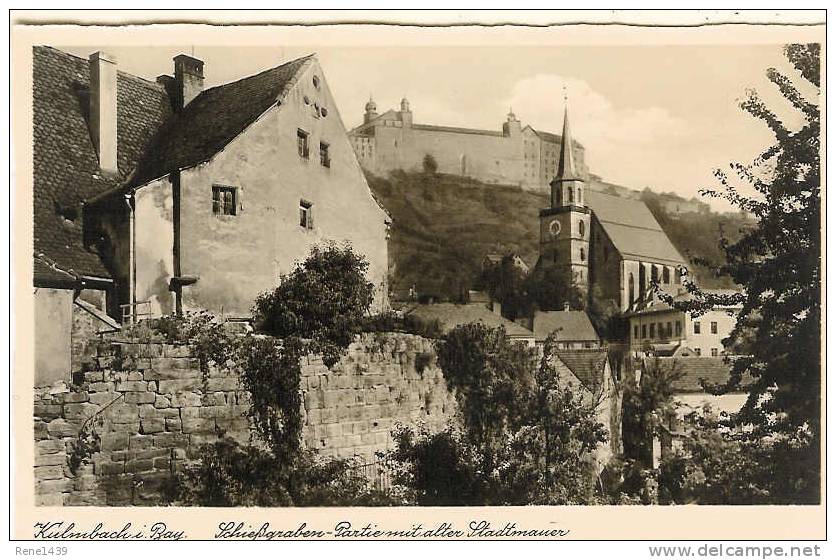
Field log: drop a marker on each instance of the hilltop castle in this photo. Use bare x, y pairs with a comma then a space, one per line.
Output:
516, 155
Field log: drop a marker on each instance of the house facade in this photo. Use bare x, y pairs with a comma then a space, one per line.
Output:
186, 198
514, 155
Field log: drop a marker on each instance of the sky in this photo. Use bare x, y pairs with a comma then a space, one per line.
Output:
663, 117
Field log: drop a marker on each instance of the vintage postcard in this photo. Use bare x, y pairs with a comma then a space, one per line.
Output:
418, 276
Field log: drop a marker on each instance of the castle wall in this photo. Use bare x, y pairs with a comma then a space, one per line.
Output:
151, 408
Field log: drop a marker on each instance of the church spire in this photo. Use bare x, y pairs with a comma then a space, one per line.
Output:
566, 165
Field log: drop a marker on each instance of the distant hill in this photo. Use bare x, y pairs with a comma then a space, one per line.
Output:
444, 225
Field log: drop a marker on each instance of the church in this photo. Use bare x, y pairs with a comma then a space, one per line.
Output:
614, 246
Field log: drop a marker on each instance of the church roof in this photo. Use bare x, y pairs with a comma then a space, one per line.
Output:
214, 118
632, 228
65, 165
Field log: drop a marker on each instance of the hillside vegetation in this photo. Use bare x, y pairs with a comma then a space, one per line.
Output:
444, 225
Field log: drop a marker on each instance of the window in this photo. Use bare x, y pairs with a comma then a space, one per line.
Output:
305, 214
324, 156
714, 353
713, 327
652, 330
644, 331
581, 228
698, 351
696, 327
224, 200
632, 285
670, 329
302, 143
316, 82
678, 328
666, 275
635, 331
583, 254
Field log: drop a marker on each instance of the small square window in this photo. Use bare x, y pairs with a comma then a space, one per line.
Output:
305, 214
324, 155
224, 200
302, 143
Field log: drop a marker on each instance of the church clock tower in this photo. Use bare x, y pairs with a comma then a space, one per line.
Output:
565, 225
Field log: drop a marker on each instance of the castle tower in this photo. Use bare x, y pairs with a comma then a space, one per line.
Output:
512, 126
371, 111
565, 225
406, 113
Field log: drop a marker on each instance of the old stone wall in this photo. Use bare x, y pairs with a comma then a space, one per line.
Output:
144, 410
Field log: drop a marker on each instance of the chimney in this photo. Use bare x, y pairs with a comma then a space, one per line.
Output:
188, 79
103, 109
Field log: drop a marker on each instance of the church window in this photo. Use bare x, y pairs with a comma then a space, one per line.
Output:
302, 143
642, 280
632, 284
583, 254
666, 275
571, 196
580, 197
224, 200
305, 214
696, 327
581, 227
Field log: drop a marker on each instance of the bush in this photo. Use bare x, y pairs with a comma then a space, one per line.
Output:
229, 475
324, 298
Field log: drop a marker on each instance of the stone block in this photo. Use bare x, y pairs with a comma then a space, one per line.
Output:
50, 500
163, 463
223, 384
108, 468
49, 472
151, 425
140, 441
122, 413
185, 399
238, 424
51, 459
41, 432
76, 397
122, 386
78, 412
135, 376
53, 486
139, 465
140, 397
61, 428
47, 411
101, 387
49, 446
151, 453
171, 440
180, 385
173, 425
161, 401
103, 399
114, 442
197, 425
93, 376
215, 399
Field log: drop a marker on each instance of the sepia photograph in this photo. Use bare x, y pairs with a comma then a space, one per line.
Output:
343, 274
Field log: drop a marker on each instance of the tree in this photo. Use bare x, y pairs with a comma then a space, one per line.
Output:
324, 298
550, 288
430, 165
778, 261
505, 282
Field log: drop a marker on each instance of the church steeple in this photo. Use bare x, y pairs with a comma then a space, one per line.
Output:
567, 185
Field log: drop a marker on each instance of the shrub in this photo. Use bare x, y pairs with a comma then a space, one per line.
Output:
324, 298
392, 322
229, 475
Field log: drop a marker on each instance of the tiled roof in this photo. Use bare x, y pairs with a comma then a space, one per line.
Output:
694, 370
632, 228
214, 118
451, 315
565, 325
588, 365
66, 169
